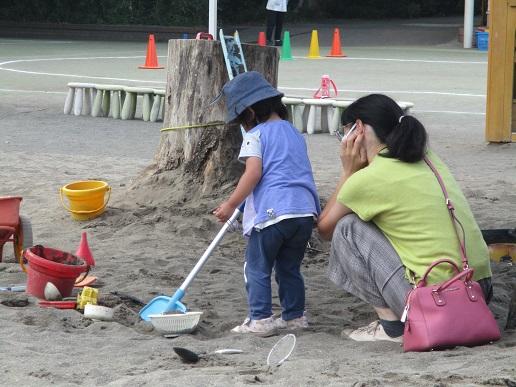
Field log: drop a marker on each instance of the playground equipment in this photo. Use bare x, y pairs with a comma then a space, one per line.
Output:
336, 46
116, 101
313, 51
52, 265
80, 98
204, 36
107, 101
294, 110
130, 101
84, 252
86, 198
87, 296
314, 104
286, 51
261, 39
501, 94
13, 227
151, 59
315, 115
324, 90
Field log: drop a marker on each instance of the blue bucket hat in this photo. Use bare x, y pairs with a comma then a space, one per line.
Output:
244, 91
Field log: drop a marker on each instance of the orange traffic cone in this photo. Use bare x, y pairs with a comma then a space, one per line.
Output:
84, 252
261, 39
151, 61
336, 48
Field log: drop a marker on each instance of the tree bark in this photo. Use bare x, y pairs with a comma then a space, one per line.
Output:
202, 159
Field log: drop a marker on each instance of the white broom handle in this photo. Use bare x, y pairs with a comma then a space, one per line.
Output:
209, 250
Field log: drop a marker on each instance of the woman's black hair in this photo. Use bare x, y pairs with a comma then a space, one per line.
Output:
405, 136
262, 111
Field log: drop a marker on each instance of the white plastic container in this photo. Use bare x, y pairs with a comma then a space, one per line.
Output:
175, 323
98, 312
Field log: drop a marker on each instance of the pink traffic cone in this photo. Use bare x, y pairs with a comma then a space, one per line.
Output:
84, 252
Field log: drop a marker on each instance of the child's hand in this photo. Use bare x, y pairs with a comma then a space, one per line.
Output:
224, 212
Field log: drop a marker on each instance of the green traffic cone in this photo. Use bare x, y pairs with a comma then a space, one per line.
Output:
286, 52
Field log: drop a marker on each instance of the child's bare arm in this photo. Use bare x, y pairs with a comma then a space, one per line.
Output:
246, 184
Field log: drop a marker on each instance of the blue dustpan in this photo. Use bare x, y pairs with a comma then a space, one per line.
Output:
165, 304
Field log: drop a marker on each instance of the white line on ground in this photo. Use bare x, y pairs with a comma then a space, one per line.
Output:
71, 58
162, 82
74, 75
421, 49
398, 60
389, 91
81, 76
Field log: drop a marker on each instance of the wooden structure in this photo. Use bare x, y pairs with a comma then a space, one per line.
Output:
501, 79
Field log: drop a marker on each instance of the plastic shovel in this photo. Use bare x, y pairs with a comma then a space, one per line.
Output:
165, 304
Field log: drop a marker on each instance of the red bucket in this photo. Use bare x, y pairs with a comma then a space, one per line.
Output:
51, 265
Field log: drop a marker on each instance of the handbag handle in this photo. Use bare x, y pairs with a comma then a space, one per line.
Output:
422, 282
468, 273
451, 211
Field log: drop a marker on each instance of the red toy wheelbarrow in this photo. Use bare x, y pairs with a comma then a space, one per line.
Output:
13, 227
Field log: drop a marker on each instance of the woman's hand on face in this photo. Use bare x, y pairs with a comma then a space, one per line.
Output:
352, 153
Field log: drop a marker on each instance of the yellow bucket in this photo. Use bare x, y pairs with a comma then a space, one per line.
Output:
87, 198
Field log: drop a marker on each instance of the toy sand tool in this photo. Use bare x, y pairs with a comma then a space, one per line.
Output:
165, 304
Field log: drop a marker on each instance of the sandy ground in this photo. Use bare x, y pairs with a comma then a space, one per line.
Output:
144, 251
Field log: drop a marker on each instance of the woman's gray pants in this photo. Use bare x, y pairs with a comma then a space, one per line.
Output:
364, 263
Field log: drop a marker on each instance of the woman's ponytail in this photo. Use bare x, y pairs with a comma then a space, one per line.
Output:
407, 141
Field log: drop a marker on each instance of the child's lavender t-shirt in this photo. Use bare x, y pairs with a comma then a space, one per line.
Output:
287, 187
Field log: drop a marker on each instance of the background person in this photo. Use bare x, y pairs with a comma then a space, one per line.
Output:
387, 218
276, 10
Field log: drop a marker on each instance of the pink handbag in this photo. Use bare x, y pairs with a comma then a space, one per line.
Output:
451, 313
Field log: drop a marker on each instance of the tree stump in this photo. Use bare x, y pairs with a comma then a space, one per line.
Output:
200, 160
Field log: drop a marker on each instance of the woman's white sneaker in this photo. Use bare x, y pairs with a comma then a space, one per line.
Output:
371, 332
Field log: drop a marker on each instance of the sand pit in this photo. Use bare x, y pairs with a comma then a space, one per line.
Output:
143, 251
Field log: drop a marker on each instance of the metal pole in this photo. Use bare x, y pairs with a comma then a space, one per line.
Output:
469, 7
212, 23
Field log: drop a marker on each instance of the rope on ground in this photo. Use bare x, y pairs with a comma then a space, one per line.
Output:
193, 126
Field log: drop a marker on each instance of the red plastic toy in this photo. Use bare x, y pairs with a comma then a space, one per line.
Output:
204, 36
324, 90
13, 227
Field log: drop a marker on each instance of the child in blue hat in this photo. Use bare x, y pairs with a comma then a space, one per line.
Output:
281, 203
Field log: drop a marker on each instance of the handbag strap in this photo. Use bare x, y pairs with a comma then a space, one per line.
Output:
451, 211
